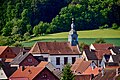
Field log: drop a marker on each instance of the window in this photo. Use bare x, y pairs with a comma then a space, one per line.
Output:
29, 60
57, 60
46, 59
7, 50
44, 76
73, 59
65, 60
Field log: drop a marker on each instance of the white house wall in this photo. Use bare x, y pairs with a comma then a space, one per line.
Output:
53, 60
92, 47
112, 52
111, 59
2, 74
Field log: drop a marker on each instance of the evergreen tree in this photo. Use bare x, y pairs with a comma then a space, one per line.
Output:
67, 73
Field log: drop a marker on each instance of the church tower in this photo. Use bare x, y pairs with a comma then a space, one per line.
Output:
73, 36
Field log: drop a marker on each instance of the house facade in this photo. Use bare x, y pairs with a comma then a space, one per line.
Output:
58, 53
33, 73
96, 52
110, 60
6, 52
24, 59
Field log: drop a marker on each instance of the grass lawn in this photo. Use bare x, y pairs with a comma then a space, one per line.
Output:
88, 37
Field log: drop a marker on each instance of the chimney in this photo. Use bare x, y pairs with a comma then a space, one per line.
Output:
23, 52
23, 68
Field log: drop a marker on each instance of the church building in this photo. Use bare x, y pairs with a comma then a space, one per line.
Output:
59, 53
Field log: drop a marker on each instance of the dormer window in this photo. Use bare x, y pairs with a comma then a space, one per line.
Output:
29, 60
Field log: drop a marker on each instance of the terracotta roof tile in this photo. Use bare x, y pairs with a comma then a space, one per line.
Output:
2, 48
76, 64
54, 48
29, 72
101, 53
83, 66
83, 77
42, 64
90, 71
102, 46
80, 66
50, 67
17, 50
109, 74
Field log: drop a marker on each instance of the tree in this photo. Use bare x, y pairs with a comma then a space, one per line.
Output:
100, 40
67, 73
17, 44
41, 28
27, 36
6, 31
83, 46
115, 26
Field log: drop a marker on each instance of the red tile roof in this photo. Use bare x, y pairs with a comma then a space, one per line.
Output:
17, 50
109, 74
80, 66
101, 53
2, 49
29, 72
102, 46
83, 77
54, 48
90, 71
42, 64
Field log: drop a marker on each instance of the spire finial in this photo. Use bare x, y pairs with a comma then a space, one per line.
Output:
72, 25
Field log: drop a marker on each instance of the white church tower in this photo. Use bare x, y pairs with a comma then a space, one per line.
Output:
73, 36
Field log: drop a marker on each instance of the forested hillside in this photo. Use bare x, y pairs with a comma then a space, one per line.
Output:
21, 18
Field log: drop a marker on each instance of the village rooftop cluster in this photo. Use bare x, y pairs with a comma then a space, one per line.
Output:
46, 60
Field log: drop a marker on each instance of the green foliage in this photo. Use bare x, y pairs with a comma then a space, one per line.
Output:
6, 41
17, 37
67, 73
27, 36
99, 40
17, 44
88, 14
52, 16
6, 31
41, 28
19, 27
103, 27
83, 46
115, 26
